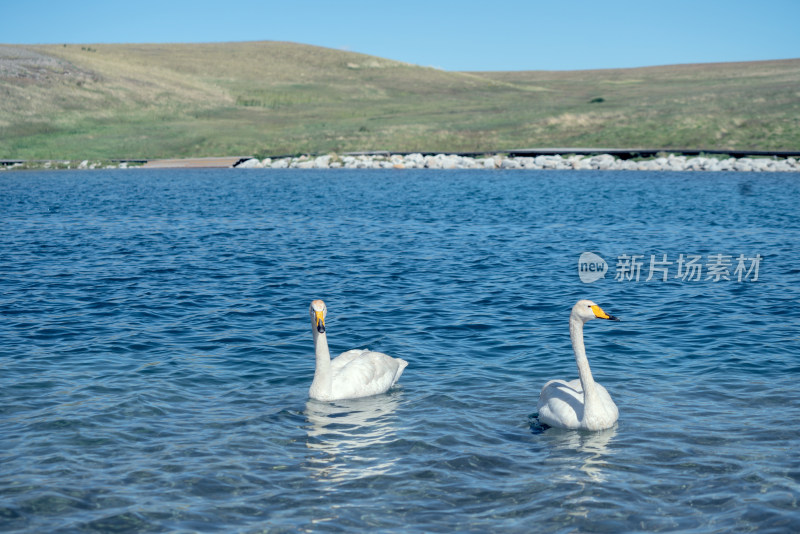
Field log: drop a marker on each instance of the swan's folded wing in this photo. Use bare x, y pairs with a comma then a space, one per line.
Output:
345, 358
561, 404
362, 372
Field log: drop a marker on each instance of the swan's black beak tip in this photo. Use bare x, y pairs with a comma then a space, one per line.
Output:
320, 327
612, 318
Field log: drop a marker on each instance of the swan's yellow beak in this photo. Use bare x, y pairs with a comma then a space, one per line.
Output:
600, 314
319, 321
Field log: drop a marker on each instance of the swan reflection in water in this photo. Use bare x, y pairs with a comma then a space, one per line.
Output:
586, 451
584, 458
348, 433
591, 448
578, 461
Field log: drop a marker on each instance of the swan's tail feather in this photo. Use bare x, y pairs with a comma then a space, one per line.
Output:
401, 365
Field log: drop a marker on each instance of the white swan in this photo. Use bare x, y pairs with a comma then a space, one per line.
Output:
352, 374
582, 403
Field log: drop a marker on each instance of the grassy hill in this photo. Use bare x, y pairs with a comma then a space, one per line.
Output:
111, 101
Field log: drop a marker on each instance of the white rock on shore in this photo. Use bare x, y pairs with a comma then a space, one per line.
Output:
671, 162
542, 162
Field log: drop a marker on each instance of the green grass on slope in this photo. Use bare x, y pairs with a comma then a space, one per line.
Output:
268, 98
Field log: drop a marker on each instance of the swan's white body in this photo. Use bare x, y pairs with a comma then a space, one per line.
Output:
352, 374
582, 403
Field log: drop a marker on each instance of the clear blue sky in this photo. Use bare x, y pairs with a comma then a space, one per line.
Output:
452, 35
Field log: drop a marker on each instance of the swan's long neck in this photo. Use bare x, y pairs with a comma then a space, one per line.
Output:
321, 385
584, 372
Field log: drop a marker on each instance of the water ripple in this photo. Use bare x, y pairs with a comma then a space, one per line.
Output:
156, 355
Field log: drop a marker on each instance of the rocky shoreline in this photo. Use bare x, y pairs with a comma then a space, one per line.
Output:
669, 162
543, 162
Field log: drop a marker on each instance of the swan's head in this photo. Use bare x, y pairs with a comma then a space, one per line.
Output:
318, 311
586, 310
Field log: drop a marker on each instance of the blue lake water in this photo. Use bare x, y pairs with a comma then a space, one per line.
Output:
156, 352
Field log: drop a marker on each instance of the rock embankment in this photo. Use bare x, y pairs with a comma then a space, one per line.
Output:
556, 162
444, 161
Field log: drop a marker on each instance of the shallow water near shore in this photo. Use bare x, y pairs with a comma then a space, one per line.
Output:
157, 353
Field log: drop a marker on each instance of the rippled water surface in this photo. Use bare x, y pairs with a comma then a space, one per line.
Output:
156, 353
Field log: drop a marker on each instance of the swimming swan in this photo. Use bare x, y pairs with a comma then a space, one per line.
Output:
352, 374
582, 403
